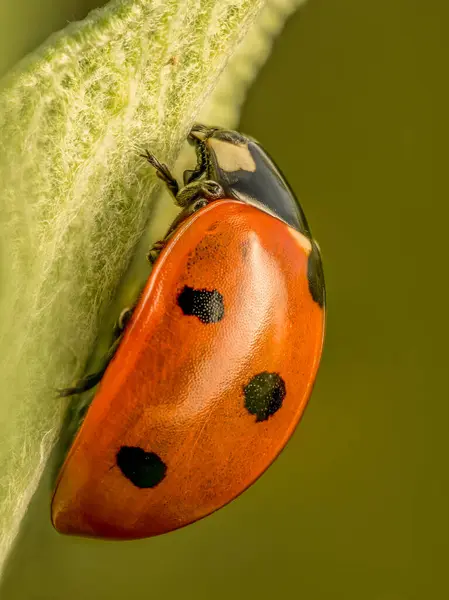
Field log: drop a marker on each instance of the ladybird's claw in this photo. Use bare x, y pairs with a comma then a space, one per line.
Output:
160, 167
162, 171
82, 385
155, 250
124, 318
89, 381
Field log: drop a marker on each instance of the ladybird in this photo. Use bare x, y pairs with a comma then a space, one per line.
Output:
212, 369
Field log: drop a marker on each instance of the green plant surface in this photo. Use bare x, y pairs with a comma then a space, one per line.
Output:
76, 197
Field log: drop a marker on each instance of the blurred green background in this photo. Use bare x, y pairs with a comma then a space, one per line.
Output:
353, 104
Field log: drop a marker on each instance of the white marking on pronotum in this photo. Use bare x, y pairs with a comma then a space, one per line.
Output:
232, 157
301, 240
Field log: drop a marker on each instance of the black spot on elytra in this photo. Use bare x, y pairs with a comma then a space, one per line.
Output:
264, 395
143, 469
315, 275
207, 305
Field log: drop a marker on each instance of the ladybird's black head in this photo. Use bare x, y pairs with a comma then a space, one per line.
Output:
203, 133
246, 172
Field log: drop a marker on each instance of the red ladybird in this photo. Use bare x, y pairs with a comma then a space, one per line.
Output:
217, 362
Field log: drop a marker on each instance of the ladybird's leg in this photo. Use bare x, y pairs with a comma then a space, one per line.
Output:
207, 189
91, 380
201, 168
124, 319
191, 208
163, 172
197, 136
155, 250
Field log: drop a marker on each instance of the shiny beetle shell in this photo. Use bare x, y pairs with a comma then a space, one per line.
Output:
216, 364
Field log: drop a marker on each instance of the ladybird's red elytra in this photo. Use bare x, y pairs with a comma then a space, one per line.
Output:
217, 362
